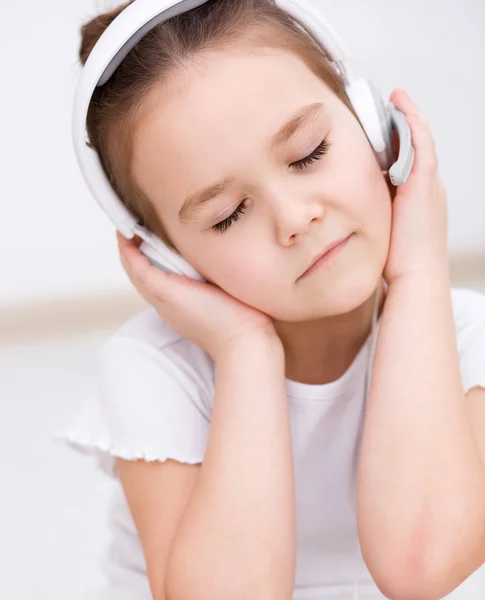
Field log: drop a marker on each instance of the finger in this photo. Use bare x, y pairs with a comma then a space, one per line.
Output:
137, 265
422, 139
123, 245
124, 242
144, 276
145, 293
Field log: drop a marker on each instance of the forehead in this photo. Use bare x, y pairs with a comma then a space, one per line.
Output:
229, 93
216, 113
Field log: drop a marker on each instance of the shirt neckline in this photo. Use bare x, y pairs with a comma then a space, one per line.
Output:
328, 391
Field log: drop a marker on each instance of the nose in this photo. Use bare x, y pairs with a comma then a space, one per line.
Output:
295, 217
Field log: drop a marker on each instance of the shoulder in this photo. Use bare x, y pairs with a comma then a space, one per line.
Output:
152, 397
469, 317
469, 314
147, 327
146, 345
468, 307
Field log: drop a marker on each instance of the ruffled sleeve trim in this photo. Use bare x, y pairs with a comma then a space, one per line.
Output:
146, 405
106, 453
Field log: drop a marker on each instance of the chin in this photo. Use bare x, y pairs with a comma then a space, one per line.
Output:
356, 293
347, 291
339, 299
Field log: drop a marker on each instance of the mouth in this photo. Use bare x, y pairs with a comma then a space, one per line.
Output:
327, 256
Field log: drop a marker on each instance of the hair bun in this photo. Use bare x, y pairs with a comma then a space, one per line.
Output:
94, 29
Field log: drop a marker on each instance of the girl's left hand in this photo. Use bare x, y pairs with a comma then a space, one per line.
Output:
419, 213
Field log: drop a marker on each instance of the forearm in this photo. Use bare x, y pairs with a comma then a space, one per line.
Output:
237, 537
421, 481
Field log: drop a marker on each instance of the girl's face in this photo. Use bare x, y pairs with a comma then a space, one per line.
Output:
216, 156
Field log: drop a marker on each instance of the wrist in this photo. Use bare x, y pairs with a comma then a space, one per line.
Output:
422, 279
423, 274
253, 345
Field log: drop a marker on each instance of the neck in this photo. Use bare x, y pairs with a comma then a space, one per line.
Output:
321, 351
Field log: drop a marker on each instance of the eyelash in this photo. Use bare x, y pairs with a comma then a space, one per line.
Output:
319, 151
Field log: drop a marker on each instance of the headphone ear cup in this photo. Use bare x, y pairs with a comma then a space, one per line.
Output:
161, 256
374, 118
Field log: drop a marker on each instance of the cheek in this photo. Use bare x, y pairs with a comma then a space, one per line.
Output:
383, 208
369, 206
379, 219
376, 200
247, 275
239, 270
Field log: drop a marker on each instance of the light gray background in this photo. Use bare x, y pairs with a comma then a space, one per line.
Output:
55, 243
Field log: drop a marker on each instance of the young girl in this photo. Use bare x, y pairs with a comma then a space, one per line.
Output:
233, 414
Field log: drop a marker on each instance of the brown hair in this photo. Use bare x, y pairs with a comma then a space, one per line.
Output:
170, 45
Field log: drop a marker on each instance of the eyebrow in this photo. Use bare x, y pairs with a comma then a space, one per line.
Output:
195, 202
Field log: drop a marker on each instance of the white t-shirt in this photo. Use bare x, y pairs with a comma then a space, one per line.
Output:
154, 401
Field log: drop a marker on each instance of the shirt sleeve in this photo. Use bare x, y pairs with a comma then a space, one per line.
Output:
145, 406
470, 332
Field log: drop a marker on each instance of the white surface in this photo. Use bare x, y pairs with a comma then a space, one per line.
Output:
53, 501
58, 243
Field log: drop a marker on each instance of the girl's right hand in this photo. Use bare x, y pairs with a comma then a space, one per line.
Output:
199, 311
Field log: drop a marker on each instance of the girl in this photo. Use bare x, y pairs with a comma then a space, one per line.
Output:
232, 414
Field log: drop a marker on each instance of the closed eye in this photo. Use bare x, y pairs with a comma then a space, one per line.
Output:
319, 151
299, 165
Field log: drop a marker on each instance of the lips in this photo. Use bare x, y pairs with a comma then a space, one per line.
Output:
327, 249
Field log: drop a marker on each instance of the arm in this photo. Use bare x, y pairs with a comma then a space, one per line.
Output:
236, 539
421, 504
157, 494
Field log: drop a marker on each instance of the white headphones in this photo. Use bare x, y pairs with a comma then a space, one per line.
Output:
128, 29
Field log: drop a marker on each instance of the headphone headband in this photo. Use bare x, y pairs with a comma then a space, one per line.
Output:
119, 38
138, 24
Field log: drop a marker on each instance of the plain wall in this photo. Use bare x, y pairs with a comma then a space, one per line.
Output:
56, 243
